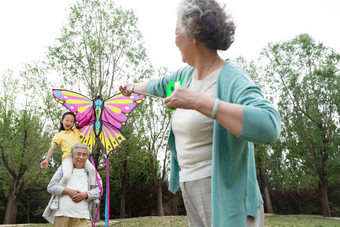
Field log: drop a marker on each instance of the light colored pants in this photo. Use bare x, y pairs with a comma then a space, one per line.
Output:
62, 221
197, 200
67, 164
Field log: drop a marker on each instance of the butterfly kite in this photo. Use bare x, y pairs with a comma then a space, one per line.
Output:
100, 120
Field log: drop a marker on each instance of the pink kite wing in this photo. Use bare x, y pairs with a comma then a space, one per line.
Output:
77, 103
118, 108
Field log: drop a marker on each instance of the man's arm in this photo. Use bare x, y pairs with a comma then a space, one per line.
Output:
95, 192
53, 187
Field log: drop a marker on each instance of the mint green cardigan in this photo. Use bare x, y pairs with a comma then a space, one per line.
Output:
235, 191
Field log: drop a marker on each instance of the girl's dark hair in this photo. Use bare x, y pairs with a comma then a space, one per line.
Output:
207, 22
61, 128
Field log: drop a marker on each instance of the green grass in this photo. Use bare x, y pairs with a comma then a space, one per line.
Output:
300, 221
270, 221
167, 221
181, 221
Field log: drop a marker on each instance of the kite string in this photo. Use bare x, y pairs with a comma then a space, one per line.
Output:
146, 94
107, 201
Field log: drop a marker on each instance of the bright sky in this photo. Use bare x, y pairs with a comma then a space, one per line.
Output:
28, 27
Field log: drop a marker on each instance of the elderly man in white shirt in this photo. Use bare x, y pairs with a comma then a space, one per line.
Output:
76, 198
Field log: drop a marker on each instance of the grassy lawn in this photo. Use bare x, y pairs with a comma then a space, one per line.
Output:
300, 221
167, 221
181, 221
270, 221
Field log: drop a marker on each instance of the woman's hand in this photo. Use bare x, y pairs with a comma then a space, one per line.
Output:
126, 89
183, 98
137, 87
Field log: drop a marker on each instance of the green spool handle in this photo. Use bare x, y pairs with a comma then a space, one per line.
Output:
169, 88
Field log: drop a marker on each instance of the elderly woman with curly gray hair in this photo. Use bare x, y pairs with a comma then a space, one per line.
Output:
220, 114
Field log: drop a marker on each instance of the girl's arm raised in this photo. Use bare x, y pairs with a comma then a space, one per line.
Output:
44, 164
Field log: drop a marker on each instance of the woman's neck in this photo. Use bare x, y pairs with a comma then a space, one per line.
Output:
206, 66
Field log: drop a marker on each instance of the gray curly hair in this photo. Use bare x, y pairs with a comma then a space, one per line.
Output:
207, 22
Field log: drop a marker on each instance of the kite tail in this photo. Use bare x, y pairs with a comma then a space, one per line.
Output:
101, 190
107, 201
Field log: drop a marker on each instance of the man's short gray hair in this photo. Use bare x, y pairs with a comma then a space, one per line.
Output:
80, 146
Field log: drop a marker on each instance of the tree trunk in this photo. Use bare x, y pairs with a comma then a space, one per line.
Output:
122, 204
28, 209
323, 188
123, 190
267, 199
11, 209
129, 213
175, 206
160, 210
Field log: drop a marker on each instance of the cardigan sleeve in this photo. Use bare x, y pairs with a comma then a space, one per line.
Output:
159, 86
261, 121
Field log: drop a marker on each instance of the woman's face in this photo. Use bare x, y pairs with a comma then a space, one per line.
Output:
184, 44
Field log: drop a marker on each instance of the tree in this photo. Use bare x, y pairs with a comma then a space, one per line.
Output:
23, 138
306, 78
263, 167
99, 45
154, 122
158, 123
130, 159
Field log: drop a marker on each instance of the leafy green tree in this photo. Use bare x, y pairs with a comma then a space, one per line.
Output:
130, 159
23, 138
99, 45
158, 124
39, 86
306, 78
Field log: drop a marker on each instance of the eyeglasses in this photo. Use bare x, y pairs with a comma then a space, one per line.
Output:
81, 154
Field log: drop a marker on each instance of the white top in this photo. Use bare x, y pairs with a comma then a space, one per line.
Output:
194, 134
67, 207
